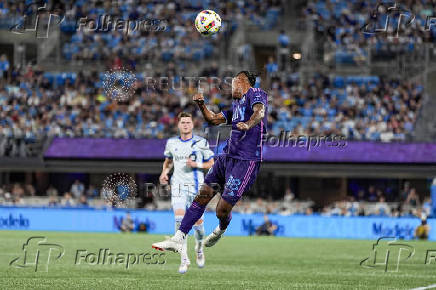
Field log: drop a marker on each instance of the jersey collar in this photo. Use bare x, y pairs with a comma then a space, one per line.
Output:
180, 138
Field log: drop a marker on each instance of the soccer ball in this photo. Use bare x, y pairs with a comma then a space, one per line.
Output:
208, 22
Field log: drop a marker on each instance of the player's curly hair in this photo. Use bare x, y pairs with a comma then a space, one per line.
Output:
250, 76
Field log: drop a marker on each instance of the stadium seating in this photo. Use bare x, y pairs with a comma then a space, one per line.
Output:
324, 111
355, 24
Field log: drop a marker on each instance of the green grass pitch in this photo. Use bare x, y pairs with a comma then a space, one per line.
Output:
234, 263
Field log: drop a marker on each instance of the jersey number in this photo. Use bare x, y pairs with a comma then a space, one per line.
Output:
239, 113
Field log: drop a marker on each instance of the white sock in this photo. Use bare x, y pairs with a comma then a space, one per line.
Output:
177, 222
199, 235
180, 235
184, 253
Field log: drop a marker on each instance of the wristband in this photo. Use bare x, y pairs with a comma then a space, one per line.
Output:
199, 165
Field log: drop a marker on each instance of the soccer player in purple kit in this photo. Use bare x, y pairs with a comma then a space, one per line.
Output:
237, 168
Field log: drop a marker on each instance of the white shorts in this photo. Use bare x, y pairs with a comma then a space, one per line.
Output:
181, 198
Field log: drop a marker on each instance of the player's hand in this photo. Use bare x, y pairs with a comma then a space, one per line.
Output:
191, 164
242, 126
163, 179
198, 98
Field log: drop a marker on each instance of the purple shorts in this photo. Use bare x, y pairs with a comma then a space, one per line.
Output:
236, 176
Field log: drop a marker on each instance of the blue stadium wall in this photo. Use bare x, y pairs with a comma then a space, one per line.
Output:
162, 222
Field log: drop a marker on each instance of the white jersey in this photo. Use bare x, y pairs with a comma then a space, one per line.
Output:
184, 178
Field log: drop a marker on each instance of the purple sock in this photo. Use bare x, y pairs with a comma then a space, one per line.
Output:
192, 215
225, 222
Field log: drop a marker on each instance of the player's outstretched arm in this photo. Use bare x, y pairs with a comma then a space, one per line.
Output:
256, 117
209, 116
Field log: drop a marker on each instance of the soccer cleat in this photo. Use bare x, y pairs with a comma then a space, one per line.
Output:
200, 256
214, 237
184, 264
174, 244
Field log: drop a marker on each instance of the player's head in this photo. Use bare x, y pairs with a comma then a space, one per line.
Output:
185, 123
241, 83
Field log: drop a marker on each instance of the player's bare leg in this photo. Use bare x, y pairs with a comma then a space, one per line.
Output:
192, 215
224, 214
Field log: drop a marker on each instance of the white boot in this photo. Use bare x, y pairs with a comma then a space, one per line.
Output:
214, 237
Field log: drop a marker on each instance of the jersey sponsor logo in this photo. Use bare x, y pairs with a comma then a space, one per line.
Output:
180, 157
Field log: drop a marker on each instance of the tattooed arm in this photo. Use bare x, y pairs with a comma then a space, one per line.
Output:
256, 117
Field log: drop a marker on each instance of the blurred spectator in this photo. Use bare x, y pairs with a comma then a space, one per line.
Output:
413, 199
267, 228
289, 196
53, 201
405, 191
283, 50
361, 195
127, 224
309, 211
67, 200
92, 191
372, 195
83, 201
17, 190
18, 201
271, 67
52, 191
4, 66
382, 207
77, 189
423, 230
30, 190
259, 207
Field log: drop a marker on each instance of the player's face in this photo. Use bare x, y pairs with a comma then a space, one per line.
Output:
237, 87
186, 125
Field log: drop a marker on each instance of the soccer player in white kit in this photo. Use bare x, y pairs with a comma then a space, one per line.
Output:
190, 155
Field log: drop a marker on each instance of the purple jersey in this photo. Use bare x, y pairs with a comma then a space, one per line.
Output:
246, 145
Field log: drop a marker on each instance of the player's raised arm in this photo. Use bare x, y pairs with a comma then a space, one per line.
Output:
256, 117
209, 116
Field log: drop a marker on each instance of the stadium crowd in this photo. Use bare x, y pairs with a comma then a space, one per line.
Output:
370, 201
159, 29
35, 104
350, 26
